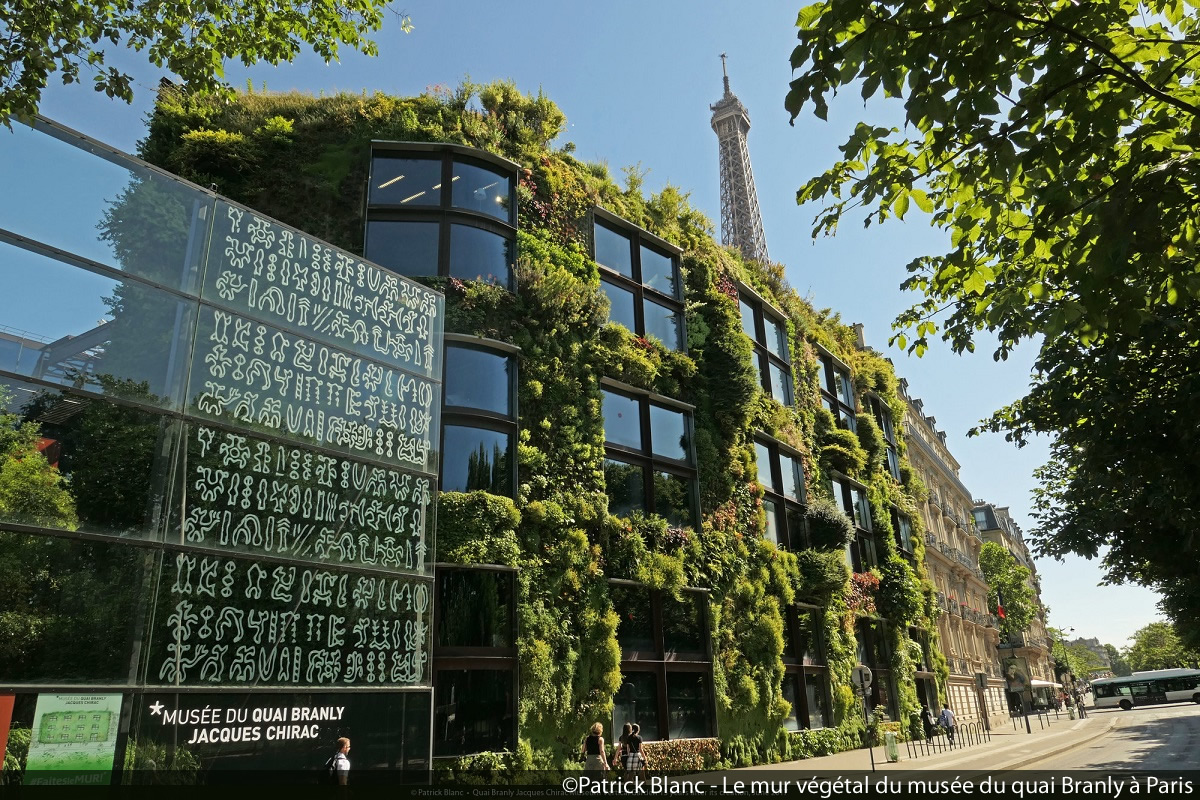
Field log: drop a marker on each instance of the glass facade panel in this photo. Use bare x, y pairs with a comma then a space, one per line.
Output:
71, 608
904, 531
748, 327
479, 255
793, 477
772, 512
620, 305
113, 462
473, 712
776, 337
809, 642
797, 533
658, 272
893, 462
476, 459
862, 510
622, 420
404, 180
614, 250
673, 499
107, 201
668, 432
117, 338
762, 459
406, 248
480, 189
475, 608
637, 702
662, 323
635, 630
626, 486
684, 623
478, 379
793, 696
818, 708
688, 710
845, 391
781, 384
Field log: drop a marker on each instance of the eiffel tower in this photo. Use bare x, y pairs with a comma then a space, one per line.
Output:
741, 220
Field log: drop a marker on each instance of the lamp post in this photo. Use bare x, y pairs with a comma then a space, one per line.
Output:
1067, 657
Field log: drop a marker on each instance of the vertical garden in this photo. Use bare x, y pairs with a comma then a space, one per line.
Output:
304, 160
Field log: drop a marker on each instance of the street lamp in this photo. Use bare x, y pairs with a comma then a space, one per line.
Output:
1067, 658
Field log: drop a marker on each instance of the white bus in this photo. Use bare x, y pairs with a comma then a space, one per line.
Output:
1148, 688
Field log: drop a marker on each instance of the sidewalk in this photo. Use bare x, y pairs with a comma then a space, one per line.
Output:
1008, 749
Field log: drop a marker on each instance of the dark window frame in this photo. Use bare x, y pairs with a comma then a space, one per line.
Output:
639, 238
832, 368
864, 547
908, 549
661, 663
887, 426
646, 458
445, 213
466, 416
764, 358
788, 539
799, 668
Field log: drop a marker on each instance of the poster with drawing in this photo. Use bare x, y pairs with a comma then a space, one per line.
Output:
75, 737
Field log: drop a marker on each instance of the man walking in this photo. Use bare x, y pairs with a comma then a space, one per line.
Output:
339, 764
946, 720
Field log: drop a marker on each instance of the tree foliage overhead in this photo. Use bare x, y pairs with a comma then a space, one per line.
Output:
192, 40
1055, 142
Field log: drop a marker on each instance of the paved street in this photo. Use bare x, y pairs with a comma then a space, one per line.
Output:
1162, 737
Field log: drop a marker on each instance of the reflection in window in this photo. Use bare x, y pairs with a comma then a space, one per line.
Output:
622, 420
479, 189
776, 337
621, 305
475, 459
626, 487
781, 384
770, 357
669, 430
748, 327
480, 255
478, 379
688, 706
635, 629
406, 248
613, 251
397, 180
658, 272
763, 463
673, 498
773, 526
792, 721
684, 623
473, 712
90, 331
662, 323
637, 702
818, 705
475, 608
69, 608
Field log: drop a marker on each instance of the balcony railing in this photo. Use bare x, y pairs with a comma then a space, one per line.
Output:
930, 539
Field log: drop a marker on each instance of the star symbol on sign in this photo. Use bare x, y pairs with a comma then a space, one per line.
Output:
156, 708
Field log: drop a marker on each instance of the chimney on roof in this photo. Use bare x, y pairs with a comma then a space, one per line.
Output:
859, 339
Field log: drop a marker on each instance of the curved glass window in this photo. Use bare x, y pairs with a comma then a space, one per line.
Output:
613, 251
658, 272
622, 420
478, 379
669, 433
480, 255
479, 189
476, 459
407, 248
662, 323
620, 305
399, 180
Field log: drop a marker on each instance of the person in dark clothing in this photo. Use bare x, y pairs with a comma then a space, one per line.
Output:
633, 761
927, 721
592, 750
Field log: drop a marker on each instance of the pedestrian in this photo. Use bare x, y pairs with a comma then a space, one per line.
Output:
622, 744
593, 752
927, 721
633, 761
946, 721
338, 765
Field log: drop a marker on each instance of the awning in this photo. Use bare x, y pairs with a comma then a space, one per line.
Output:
1037, 684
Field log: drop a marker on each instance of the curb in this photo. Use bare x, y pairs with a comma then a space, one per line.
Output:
1025, 761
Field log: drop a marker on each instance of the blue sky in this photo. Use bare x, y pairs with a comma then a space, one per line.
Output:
635, 81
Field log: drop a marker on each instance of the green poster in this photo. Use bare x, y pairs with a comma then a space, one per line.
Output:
75, 734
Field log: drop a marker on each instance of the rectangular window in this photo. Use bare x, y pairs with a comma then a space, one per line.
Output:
637, 702
688, 707
641, 281
649, 441
770, 358
474, 711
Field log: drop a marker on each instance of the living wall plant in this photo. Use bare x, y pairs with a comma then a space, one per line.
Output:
304, 160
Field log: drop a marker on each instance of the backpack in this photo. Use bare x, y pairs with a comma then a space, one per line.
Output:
329, 772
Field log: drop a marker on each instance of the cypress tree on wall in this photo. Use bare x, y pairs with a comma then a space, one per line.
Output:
560, 530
